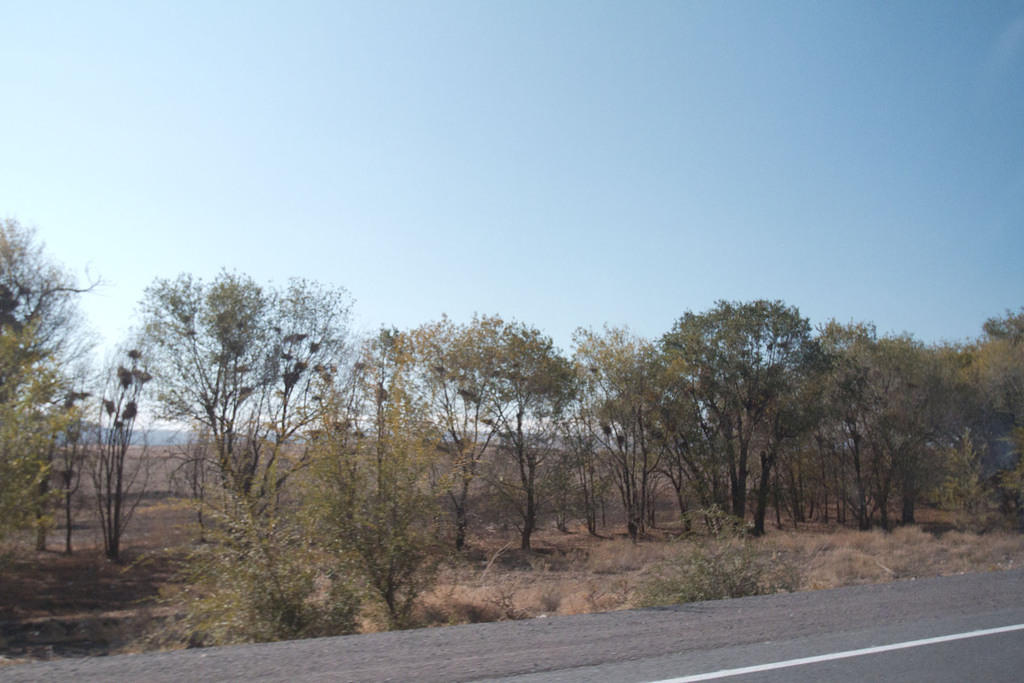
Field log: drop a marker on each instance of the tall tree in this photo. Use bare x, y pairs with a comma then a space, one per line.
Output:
116, 478
842, 437
39, 296
246, 365
691, 448
533, 389
620, 376
72, 450
27, 430
373, 500
456, 372
743, 355
39, 334
791, 416
997, 374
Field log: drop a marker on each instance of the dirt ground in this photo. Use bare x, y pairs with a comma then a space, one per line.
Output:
53, 604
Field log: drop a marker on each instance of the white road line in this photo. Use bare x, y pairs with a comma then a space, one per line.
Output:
725, 673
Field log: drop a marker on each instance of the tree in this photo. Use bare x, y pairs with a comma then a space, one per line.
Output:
115, 479
791, 416
194, 474
742, 354
885, 412
620, 378
39, 325
27, 429
455, 367
589, 486
72, 450
533, 390
842, 435
372, 499
691, 451
38, 296
910, 430
997, 375
247, 365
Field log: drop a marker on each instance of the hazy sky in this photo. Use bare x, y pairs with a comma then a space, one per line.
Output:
562, 163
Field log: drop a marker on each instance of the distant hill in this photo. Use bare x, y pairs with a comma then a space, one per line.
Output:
160, 437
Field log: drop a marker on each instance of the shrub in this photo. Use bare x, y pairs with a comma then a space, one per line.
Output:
726, 564
262, 582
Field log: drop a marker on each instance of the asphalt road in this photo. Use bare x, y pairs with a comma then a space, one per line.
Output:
641, 645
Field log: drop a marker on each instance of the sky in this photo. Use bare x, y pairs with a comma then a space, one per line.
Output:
564, 164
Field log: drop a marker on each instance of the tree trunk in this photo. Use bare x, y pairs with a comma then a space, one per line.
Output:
762, 492
460, 527
529, 519
44, 490
67, 523
461, 518
739, 485
908, 508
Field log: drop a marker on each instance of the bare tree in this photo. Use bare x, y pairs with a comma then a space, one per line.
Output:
117, 485
193, 473
248, 366
70, 459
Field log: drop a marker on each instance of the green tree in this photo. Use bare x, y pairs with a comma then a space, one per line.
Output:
620, 376
791, 416
997, 375
583, 484
27, 429
38, 297
743, 355
39, 333
534, 382
455, 365
842, 435
691, 447
372, 500
885, 406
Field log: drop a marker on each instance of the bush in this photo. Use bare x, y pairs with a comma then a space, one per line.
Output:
725, 564
261, 582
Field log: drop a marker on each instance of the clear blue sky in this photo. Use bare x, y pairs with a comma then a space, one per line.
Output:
563, 163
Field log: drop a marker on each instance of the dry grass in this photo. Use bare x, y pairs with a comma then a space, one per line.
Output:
848, 557
564, 574
579, 574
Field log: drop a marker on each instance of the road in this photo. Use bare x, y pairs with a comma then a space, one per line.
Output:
644, 645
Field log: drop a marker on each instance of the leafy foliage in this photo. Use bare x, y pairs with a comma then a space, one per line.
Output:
39, 323
260, 579
371, 500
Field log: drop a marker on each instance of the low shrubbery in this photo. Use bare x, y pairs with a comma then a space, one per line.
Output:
725, 563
